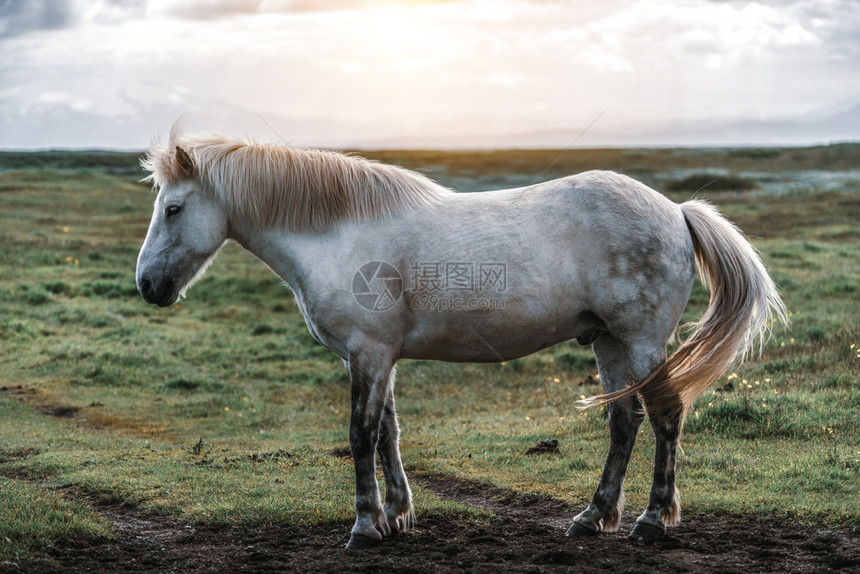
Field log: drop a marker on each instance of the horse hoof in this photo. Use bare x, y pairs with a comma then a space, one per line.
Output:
393, 531
578, 530
361, 542
643, 532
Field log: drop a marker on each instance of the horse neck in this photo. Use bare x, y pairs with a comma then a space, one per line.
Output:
298, 258
274, 247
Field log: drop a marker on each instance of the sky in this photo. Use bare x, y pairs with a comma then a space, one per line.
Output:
116, 74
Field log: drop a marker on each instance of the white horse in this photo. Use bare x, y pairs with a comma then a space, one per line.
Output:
386, 264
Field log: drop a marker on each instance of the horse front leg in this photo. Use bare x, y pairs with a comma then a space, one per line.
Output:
603, 514
398, 496
370, 376
664, 505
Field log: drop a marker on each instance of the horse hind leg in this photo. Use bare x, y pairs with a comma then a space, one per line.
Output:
398, 497
664, 505
603, 514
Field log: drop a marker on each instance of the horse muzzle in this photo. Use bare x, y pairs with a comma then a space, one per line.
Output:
161, 293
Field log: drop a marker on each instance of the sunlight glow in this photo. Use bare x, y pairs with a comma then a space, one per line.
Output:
524, 72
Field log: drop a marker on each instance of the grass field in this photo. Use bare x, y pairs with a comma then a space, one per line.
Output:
222, 409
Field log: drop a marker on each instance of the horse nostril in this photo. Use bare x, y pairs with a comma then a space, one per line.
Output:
144, 286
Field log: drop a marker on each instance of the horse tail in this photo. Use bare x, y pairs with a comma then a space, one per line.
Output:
743, 307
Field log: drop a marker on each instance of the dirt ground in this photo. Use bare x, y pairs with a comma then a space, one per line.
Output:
527, 535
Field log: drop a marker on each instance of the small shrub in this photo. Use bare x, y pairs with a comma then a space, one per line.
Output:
303, 377
262, 330
777, 366
574, 362
755, 153
516, 365
817, 334
57, 287
579, 464
838, 381
110, 275
110, 290
187, 385
37, 297
183, 385
743, 419
710, 182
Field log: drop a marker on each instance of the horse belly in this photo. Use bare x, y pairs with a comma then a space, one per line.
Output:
494, 336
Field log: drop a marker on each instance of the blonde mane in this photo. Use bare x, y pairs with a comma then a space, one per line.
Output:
277, 185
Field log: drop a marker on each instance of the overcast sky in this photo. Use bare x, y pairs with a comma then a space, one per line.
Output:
368, 73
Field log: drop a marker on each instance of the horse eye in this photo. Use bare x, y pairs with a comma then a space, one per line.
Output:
172, 210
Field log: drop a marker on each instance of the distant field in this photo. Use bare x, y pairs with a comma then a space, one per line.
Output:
188, 412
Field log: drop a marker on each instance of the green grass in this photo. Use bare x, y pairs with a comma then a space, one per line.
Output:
34, 517
232, 370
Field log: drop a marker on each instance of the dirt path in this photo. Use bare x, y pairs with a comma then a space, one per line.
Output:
527, 535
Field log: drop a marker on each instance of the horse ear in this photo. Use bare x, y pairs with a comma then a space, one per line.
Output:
184, 161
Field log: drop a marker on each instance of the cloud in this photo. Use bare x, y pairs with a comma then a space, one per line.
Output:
21, 17
24, 16
111, 11
205, 9
212, 9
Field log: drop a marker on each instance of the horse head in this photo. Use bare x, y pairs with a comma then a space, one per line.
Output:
187, 229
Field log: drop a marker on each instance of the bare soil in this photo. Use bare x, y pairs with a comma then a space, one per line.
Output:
525, 535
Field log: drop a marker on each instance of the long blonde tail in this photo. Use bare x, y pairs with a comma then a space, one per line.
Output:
744, 302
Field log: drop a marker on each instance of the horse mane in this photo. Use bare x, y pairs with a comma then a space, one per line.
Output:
280, 186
